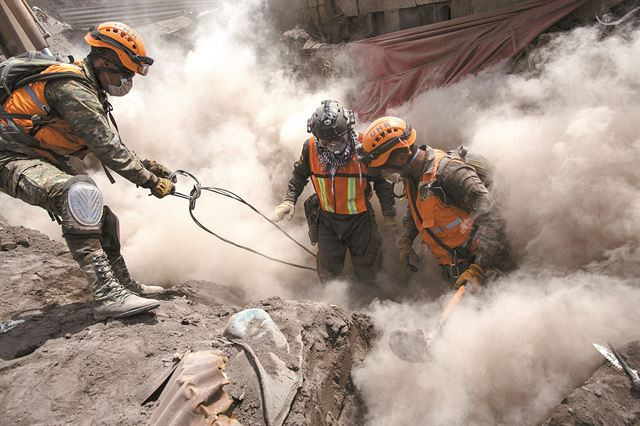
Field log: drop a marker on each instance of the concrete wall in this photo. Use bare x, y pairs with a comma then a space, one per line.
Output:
471, 7
335, 21
584, 13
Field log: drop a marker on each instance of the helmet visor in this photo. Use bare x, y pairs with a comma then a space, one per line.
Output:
142, 62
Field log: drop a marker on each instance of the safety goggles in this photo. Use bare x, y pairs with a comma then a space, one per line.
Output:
342, 139
367, 157
124, 72
142, 62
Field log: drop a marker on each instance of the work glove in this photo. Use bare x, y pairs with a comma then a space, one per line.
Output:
408, 256
158, 169
389, 223
162, 187
286, 208
473, 278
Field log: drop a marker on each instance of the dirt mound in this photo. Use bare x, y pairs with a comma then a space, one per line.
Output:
606, 398
83, 371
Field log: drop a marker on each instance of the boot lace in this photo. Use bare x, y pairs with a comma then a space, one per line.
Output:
109, 287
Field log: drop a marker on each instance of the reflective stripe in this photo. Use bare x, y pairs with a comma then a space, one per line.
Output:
323, 195
449, 226
35, 99
351, 200
455, 223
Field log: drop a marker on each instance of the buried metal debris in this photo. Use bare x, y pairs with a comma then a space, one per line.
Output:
8, 325
193, 392
618, 362
273, 362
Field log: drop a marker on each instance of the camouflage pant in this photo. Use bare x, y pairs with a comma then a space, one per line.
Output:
34, 181
40, 183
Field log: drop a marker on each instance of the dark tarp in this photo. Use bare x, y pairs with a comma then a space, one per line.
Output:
402, 64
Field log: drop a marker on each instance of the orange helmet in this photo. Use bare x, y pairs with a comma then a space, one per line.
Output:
123, 40
383, 136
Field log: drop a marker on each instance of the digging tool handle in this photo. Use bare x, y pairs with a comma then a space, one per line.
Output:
453, 302
455, 299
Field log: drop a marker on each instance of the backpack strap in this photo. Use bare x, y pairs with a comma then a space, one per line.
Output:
412, 200
455, 253
46, 77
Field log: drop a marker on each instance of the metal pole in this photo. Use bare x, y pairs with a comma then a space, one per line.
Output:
23, 16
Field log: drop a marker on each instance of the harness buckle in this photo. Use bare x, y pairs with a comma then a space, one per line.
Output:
454, 271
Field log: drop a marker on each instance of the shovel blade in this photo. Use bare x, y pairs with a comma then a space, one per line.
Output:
410, 345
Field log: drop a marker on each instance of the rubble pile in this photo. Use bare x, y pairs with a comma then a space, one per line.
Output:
84, 371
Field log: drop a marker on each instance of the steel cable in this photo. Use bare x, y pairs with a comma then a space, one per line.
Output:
196, 192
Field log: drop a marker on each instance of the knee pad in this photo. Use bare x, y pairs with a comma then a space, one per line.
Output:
82, 207
110, 231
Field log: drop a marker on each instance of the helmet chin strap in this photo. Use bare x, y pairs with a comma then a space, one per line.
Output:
406, 169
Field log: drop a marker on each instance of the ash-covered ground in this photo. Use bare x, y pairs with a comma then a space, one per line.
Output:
60, 366
563, 135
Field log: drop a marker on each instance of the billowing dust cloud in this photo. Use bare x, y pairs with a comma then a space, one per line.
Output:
565, 139
563, 136
223, 111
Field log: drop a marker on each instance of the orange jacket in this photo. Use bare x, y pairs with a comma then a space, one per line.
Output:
55, 136
341, 193
451, 225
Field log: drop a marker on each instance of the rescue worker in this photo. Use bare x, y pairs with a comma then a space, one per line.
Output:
34, 156
346, 220
449, 205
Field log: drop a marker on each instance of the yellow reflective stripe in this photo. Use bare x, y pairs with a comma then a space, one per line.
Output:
323, 195
351, 199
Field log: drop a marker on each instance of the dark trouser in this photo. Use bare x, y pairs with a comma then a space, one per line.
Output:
357, 233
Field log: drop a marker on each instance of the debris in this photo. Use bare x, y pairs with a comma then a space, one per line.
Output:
618, 362
194, 392
8, 325
8, 245
267, 350
23, 242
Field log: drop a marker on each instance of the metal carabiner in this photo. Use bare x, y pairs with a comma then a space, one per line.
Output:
195, 192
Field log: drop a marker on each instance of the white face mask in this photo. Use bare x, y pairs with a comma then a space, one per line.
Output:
125, 86
391, 176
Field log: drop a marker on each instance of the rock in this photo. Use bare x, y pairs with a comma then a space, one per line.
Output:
8, 245
23, 242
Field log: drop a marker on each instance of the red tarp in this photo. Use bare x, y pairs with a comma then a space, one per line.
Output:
402, 64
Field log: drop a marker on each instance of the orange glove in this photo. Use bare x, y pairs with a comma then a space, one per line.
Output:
474, 275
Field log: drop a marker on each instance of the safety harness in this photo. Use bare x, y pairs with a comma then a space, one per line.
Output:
461, 256
21, 71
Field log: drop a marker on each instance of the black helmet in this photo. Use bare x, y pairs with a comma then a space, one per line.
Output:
330, 120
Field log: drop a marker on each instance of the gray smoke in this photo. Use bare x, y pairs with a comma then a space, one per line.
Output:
565, 138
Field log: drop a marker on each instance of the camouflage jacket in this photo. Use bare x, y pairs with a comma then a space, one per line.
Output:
83, 108
463, 188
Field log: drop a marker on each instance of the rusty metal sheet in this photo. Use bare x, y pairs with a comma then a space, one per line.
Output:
194, 395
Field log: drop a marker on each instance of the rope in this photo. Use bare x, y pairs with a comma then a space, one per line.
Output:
196, 192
